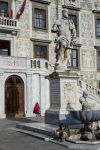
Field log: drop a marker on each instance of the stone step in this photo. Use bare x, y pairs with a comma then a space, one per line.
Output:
67, 144
37, 128
37, 135
42, 137
45, 129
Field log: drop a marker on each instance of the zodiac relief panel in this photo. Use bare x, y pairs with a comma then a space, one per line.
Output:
86, 4
88, 58
89, 77
86, 25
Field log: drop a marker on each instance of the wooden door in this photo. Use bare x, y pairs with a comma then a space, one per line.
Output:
14, 96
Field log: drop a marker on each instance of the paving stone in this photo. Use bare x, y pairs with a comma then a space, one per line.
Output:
13, 140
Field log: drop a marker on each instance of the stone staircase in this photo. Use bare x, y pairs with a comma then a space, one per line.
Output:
91, 89
39, 130
46, 132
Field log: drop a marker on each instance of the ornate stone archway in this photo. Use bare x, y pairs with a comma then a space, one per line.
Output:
14, 96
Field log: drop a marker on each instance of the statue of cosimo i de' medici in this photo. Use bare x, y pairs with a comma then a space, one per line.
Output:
66, 35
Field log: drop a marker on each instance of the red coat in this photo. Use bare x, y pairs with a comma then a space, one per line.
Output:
36, 108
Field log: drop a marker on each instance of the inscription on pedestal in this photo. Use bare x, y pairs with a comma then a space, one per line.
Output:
55, 93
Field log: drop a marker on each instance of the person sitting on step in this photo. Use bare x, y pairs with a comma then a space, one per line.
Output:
63, 132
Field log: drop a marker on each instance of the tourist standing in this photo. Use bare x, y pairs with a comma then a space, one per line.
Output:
36, 110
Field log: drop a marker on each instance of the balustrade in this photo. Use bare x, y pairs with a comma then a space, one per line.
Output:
22, 62
8, 23
91, 89
41, 64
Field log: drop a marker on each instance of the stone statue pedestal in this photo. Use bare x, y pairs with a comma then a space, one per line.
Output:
62, 97
60, 68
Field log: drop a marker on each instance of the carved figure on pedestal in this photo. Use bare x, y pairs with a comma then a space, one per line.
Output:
66, 34
83, 100
85, 104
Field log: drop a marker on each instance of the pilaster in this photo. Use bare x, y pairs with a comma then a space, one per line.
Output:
2, 97
42, 94
29, 106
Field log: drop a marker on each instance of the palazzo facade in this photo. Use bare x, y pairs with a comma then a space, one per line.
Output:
27, 50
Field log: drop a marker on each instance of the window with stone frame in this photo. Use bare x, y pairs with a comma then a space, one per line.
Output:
39, 18
41, 51
74, 58
98, 58
40, 15
4, 8
98, 27
4, 48
73, 17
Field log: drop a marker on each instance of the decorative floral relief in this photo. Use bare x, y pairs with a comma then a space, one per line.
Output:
69, 93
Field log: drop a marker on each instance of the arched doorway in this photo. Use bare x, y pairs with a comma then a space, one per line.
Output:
14, 96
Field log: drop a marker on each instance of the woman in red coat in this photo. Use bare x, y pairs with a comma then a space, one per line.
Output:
37, 109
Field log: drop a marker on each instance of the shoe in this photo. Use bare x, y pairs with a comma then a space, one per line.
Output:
61, 140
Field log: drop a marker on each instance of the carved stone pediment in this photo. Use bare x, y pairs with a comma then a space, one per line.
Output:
75, 4
96, 6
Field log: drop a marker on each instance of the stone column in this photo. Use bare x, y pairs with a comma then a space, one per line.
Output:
62, 97
29, 106
35, 89
47, 99
42, 94
2, 97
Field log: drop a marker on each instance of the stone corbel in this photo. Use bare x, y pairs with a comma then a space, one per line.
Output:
42, 1
40, 40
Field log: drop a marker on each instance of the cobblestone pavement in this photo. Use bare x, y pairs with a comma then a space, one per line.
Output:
13, 140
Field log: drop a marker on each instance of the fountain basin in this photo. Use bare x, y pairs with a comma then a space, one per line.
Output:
86, 116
